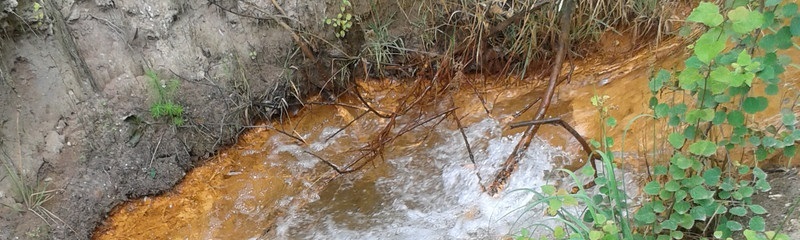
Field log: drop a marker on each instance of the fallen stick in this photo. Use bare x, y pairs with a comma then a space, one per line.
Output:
512, 162
591, 155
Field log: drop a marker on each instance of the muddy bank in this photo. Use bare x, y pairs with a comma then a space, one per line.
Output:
70, 84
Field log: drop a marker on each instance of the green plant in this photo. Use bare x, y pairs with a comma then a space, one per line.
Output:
605, 214
164, 104
381, 47
705, 188
343, 21
32, 197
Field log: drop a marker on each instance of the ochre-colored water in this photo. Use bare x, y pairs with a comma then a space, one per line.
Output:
243, 191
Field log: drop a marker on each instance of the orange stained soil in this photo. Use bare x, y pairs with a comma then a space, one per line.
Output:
240, 193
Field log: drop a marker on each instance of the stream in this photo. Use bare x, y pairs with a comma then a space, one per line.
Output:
423, 186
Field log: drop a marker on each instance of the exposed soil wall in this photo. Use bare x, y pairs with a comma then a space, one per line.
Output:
70, 84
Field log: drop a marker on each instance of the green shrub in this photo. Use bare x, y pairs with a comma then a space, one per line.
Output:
703, 191
164, 105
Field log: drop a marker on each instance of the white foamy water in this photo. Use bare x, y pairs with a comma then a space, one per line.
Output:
432, 192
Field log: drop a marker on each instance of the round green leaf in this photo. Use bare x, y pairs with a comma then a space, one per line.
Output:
681, 207
698, 213
611, 121
658, 81
676, 140
700, 192
711, 176
688, 78
734, 225
669, 224
645, 215
743, 59
683, 163
680, 195
787, 117
672, 186
757, 223
703, 148
794, 28
661, 110
736, 118
789, 10
703, 115
753, 105
706, 13
710, 44
771, 90
738, 211
596, 235
652, 188
757, 209
743, 20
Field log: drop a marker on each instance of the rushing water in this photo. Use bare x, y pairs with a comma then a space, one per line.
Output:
430, 192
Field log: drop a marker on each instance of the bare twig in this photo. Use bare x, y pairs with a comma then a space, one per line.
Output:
360, 98
512, 162
525, 109
330, 164
298, 138
149, 166
346, 126
469, 149
591, 156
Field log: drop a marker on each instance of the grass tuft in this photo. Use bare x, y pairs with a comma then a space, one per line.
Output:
32, 197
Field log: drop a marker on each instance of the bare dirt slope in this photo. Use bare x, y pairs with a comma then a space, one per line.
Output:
69, 84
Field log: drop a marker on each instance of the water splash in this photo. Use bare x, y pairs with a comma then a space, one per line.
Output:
430, 193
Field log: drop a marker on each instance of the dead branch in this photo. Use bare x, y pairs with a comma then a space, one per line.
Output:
469, 149
298, 138
346, 126
303, 46
591, 155
330, 164
525, 109
511, 164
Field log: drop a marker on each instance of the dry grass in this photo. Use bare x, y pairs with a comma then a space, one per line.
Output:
30, 196
482, 31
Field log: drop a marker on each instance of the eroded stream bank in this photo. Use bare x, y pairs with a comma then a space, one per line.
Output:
270, 185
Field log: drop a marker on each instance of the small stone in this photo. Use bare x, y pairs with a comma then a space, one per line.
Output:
54, 142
